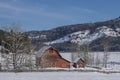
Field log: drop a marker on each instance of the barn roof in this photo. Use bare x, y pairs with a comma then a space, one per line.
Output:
42, 50
76, 60
66, 56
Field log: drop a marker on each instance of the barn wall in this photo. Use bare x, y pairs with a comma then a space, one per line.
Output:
51, 58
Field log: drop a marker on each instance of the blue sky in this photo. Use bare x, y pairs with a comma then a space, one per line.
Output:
48, 14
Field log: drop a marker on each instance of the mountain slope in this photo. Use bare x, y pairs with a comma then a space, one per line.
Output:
89, 33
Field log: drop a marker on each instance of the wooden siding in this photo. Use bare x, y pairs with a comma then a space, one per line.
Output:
51, 58
79, 63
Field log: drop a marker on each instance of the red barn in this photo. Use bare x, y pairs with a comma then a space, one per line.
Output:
48, 57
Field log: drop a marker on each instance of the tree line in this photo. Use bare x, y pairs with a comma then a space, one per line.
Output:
17, 45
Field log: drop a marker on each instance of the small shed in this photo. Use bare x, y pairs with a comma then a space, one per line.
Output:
79, 63
76, 61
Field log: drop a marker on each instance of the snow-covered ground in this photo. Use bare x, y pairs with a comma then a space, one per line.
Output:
113, 60
113, 63
112, 56
59, 76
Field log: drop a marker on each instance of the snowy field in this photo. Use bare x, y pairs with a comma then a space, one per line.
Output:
113, 63
59, 76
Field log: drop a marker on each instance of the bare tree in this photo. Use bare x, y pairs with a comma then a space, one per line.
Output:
106, 54
90, 61
74, 55
83, 52
72, 59
97, 60
86, 50
17, 44
79, 50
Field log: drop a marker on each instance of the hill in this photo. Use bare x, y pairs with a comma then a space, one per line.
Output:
63, 37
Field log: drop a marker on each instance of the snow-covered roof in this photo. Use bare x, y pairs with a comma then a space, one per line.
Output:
68, 56
76, 59
42, 50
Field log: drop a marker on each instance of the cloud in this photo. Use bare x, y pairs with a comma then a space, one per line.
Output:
15, 0
5, 16
89, 11
36, 11
67, 13
10, 7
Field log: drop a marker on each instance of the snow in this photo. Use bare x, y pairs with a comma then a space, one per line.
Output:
59, 76
61, 40
76, 60
113, 56
74, 37
118, 29
83, 37
94, 37
113, 63
66, 56
108, 31
37, 36
7, 62
42, 50
81, 33
113, 60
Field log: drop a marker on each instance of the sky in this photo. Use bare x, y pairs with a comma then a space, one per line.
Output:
48, 14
